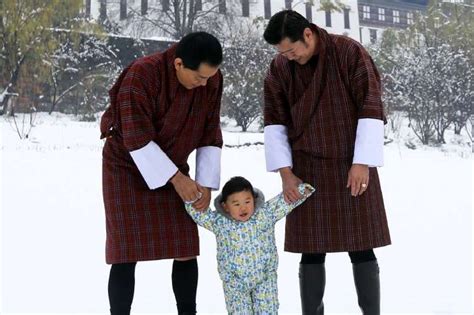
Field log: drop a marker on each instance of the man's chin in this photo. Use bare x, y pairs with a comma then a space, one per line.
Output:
301, 61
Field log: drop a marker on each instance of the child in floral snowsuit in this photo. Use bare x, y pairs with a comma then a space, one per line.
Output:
247, 256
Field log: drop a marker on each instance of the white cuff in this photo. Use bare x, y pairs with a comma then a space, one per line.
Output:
208, 166
369, 142
154, 165
277, 147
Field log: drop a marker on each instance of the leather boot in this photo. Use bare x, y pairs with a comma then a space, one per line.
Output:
367, 283
312, 284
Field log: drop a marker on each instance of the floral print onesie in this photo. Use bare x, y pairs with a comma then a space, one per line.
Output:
246, 252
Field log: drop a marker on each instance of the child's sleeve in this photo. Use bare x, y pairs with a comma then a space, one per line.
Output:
206, 218
278, 208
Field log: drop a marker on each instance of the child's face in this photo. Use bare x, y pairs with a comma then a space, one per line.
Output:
240, 205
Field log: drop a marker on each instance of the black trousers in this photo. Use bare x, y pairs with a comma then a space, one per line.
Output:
356, 257
122, 285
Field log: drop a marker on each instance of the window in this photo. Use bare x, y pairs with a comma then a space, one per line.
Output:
381, 14
409, 18
123, 9
222, 6
144, 7
88, 8
366, 12
267, 9
373, 35
309, 11
103, 10
198, 5
328, 18
165, 4
245, 8
396, 16
347, 24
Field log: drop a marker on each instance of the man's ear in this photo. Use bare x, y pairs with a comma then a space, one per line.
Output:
307, 33
178, 63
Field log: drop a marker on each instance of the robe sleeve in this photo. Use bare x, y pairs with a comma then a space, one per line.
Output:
135, 102
208, 154
276, 119
367, 92
365, 84
276, 108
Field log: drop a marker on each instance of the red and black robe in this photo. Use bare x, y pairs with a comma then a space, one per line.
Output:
320, 104
149, 105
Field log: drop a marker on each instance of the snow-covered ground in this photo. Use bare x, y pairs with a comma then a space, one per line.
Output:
53, 229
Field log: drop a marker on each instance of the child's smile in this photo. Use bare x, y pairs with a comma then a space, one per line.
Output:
240, 205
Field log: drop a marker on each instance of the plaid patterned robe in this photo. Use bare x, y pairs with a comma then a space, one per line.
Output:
320, 103
149, 104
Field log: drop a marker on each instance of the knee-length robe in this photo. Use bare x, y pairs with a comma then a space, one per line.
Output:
149, 104
320, 103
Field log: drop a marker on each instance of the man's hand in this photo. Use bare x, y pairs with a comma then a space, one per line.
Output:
186, 188
290, 185
358, 179
205, 200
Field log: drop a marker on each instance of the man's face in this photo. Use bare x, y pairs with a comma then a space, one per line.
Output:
240, 205
299, 51
191, 79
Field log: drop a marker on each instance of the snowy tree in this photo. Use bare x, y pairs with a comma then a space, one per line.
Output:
26, 34
245, 66
85, 70
172, 18
428, 74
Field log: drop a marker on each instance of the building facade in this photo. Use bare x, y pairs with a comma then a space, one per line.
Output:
377, 15
344, 21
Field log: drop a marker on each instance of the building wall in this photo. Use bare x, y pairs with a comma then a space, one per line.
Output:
377, 15
257, 9
318, 17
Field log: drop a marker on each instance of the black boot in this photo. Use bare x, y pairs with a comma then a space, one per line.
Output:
367, 283
312, 283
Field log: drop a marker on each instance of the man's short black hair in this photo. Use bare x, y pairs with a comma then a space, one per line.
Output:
199, 47
285, 24
234, 185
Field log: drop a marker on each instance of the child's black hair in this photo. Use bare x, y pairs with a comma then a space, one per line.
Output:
234, 185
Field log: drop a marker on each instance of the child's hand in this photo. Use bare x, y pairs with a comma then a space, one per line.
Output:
204, 199
308, 190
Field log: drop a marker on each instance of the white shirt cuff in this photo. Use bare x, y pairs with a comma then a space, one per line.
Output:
369, 142
154, 165
277, 148
208, 166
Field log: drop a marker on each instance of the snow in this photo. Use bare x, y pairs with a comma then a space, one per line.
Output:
53, 229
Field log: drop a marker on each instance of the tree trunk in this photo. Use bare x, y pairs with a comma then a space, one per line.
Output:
12, 84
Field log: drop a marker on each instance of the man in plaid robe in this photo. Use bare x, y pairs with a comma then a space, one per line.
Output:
324, 126
163, 107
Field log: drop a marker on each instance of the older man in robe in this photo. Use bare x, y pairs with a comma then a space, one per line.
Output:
163, 107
